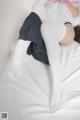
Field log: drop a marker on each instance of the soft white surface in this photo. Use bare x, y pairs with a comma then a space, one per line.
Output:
12, 15
26, 84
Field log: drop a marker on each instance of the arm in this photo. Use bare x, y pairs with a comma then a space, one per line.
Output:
74, 10
69, 36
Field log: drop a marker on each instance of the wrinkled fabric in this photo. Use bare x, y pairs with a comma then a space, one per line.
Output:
28, 85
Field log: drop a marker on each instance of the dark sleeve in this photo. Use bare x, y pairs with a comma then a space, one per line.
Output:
77, 33
24, 30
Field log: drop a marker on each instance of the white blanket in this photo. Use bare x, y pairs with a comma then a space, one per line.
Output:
26, 85
30, 83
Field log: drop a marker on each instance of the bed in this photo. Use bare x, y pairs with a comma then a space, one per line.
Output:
26, 84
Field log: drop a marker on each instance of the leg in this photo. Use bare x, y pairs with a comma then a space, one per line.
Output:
52, 33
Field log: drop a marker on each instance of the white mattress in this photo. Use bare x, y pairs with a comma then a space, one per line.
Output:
27, 85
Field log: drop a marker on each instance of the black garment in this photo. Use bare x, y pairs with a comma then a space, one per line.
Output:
30, 31
77, 33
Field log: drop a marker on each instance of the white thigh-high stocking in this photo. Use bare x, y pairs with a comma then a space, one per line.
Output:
52, 33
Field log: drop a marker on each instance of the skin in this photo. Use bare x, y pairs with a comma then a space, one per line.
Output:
70, 34
74, 10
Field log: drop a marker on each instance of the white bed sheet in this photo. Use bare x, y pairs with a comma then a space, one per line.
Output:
27, 86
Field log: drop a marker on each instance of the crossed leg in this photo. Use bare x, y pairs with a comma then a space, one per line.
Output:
52, 33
